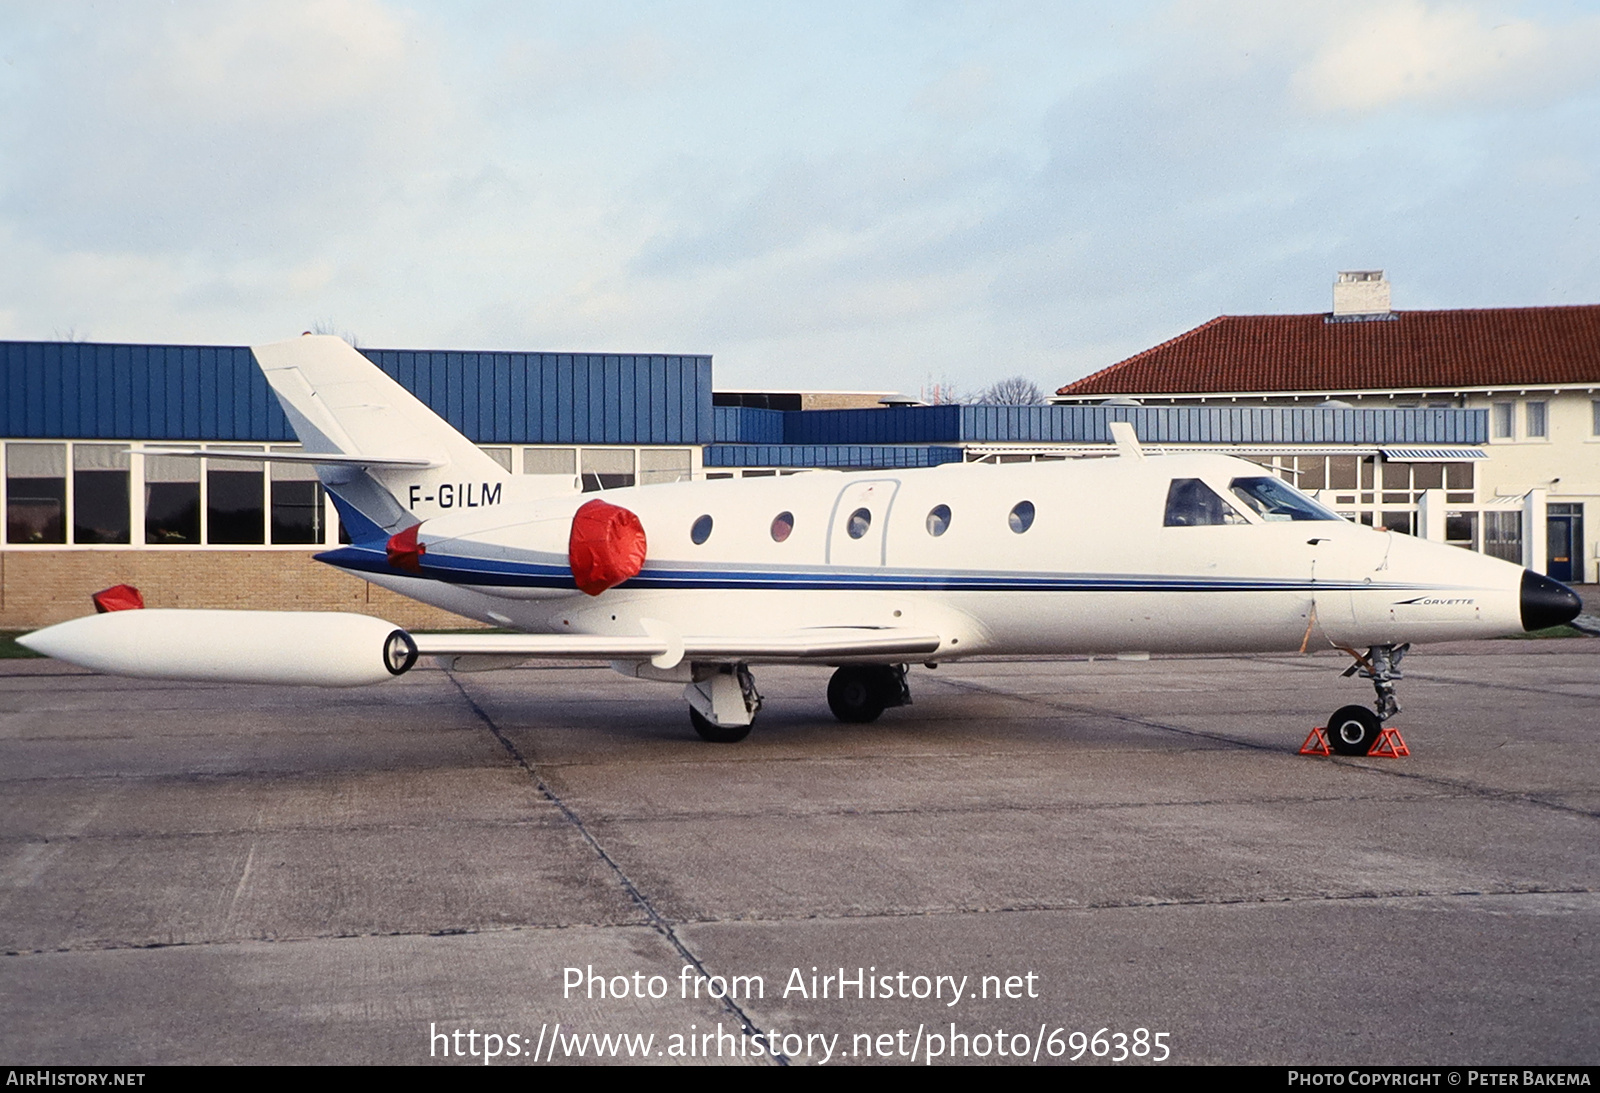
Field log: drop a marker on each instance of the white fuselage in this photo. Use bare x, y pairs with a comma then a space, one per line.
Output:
1096, 571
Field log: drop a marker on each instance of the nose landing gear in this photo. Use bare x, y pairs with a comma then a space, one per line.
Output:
1352, 730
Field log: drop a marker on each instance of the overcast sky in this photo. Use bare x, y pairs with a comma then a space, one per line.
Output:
820, 195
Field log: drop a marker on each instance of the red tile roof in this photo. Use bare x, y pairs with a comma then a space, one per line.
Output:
1432, 350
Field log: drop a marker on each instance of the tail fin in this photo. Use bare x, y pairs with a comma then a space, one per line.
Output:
342, 404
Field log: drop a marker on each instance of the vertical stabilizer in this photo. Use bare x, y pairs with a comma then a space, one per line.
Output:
339, 403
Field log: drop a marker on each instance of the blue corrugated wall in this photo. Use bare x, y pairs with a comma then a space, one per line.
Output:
1089, 425
81, 390
157, 392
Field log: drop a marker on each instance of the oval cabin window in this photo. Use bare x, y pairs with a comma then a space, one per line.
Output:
701, 531
782, 526
860, 521
1021, 518
939, 520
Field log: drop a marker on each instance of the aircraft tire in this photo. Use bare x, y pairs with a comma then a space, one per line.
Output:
855, 694
1352, 730
716, 734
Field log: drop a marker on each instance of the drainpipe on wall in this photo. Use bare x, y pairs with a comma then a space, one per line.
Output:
1535, 532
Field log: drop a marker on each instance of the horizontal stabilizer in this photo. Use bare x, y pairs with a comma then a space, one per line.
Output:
328, 460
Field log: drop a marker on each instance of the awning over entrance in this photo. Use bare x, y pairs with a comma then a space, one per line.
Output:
1433, 455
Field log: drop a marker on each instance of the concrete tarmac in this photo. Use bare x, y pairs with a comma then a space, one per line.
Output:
199, 874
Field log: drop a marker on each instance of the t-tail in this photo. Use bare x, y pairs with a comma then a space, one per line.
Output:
393, 461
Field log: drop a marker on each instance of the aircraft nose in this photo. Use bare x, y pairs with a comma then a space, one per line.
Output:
1547, 603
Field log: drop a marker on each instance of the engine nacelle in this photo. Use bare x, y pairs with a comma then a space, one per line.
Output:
323, 648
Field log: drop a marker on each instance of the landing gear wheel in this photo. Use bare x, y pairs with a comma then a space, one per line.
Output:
856, 693
1352, 730
716, 733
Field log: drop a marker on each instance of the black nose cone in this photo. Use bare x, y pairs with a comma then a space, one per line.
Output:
1547, 603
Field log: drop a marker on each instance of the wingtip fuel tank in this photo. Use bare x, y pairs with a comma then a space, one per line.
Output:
323, 648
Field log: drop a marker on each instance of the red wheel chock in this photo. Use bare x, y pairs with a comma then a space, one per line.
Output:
1316, 743
1390, 744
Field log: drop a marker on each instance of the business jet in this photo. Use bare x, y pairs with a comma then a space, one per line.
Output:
698, 582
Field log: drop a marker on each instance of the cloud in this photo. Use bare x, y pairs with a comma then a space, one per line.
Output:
1377, 55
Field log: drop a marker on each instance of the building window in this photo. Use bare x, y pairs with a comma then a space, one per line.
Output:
1504, 418
1594, 413
1502, 534
1461, 529
607, 468
100, 493
171, 500
664, 465
36, 493
297, 505
1537, 426
501, 456
550, 461
235, 503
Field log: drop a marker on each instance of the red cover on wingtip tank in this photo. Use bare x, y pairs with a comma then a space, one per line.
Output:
119, 597
606, 548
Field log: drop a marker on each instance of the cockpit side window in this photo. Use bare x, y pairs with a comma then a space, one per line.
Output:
1191, 503
1275, 499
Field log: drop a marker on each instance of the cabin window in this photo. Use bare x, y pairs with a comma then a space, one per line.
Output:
1021, 518
701, 531
36, 493
860, 520
1275, 499
1191, 504
782, 526
100, 493
939, 520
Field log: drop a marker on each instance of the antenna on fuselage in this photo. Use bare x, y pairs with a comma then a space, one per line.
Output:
1126, 438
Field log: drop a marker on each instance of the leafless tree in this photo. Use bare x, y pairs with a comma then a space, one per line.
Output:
1015, 391
325, 326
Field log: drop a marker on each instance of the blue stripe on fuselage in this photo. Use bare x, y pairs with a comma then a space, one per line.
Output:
487, 573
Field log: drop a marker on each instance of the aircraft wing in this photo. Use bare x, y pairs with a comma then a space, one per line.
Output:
666, 650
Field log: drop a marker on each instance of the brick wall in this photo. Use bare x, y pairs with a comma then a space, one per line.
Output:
41, 587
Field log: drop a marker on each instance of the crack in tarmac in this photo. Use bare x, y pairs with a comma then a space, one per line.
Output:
658, 921
1064, 907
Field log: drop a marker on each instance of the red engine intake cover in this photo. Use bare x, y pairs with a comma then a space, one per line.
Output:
404, 551
119, 597
606, 548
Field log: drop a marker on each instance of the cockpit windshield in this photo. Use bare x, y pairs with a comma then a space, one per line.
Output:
1192, 504
1274, 499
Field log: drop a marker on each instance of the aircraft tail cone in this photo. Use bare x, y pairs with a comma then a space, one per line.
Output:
1547, 603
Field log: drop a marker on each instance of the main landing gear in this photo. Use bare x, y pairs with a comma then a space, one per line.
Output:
723, 705
858, 693
1352, 730
723, 700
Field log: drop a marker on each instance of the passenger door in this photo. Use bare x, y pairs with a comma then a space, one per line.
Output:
858, 526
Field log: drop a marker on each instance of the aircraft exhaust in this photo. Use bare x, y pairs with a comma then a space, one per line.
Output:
291, 648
